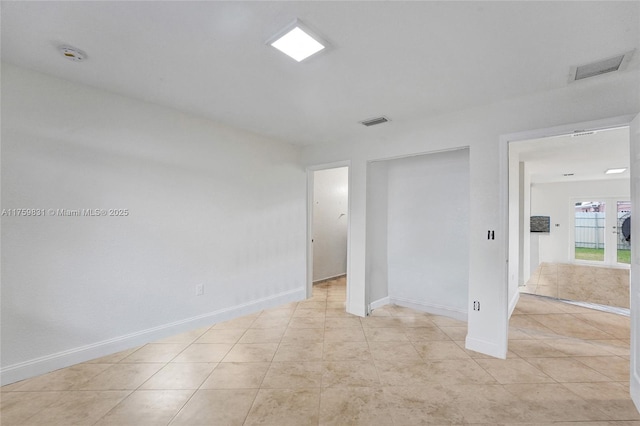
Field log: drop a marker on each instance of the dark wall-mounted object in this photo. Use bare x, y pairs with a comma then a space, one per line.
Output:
540, 224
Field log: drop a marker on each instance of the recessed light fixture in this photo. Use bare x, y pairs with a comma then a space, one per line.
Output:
615, 171
297, 41
72, 53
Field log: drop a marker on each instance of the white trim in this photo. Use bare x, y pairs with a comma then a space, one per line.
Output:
330, 278
379, 303
565, 129
505, 139
430, 308
485, 347
634, 283
48, 363
309, 254
514, 302
634, 389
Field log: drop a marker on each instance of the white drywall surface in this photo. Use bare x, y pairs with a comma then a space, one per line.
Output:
428, 231
206, 204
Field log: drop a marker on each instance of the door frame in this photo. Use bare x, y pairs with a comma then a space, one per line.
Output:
606, 123
310, 196
509, 256
634, 282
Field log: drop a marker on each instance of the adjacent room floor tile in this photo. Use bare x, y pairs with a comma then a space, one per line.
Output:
17, 407
204, 352
285, 407
514, 371
299, 351
237, 375
121, 377
293, 375
77, 408
156, 352
178, 376
567, 370
63, 379
251, 352
146, 407
354, 406
216, 407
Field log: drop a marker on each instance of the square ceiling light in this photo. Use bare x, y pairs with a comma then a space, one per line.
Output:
297, 41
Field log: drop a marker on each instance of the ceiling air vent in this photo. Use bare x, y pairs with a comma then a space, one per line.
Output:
600, 67
582, 133
374, 121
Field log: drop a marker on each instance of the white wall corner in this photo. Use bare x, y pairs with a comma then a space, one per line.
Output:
430, 308
48, 363
379, 303
485, 347
513, 302
357, 309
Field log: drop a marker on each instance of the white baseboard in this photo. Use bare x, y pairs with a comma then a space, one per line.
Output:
430, 308
513, 302
48, 363
379, 303
484, 347
333, 277
634, 389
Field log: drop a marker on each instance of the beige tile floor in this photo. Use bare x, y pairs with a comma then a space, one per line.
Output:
310, 363
592, 284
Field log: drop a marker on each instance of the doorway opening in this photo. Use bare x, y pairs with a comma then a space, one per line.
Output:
518, 229
569, 217
328, 230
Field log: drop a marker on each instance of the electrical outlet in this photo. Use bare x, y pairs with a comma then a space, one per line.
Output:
476, 305
199, 289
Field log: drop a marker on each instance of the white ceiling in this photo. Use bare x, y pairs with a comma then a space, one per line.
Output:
586, 156
405, 60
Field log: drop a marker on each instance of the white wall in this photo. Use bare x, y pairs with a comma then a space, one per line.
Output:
428, 232
377, 212
207, 205
556, 200
330, 208
480, 129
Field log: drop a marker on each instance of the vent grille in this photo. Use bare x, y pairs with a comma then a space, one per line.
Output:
598, 68
582, 133
374, 121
